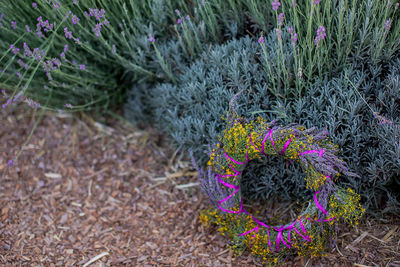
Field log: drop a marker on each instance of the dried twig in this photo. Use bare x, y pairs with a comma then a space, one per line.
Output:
95, 259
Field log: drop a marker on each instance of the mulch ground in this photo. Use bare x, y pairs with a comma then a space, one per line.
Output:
85, 194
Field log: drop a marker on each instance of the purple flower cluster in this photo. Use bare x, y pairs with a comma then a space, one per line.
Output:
34, 5
275, 4
179, 21
42, 24
261, 40
75, 19
278, 34
22, 64
151, 39
27, 28
56, 5
387, 26
320, 35
17, 98
38, 54
281, 17
50, 65
97, 29
14, 49
316, 2
32, 103
28, 52
382, 120
211, 187
13, 24
293, 35
98, 14
68, 34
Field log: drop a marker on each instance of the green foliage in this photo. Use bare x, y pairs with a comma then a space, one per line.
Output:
191, 113
122, 51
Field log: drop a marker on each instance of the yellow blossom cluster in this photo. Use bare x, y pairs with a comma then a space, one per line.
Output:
346, 204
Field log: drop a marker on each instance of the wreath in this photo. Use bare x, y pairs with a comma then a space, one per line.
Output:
315, 227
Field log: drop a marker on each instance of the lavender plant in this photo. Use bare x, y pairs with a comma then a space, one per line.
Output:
54, 57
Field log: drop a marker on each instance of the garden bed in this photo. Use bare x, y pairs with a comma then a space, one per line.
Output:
81, 189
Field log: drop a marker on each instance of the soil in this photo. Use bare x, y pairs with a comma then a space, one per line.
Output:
85, 194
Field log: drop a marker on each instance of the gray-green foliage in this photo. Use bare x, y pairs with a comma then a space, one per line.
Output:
190, 112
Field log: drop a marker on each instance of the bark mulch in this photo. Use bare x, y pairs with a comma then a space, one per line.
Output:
85, 194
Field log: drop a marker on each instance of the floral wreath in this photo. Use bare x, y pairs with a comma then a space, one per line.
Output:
244, 141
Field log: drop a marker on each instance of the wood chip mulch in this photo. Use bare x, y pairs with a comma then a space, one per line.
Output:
85, 194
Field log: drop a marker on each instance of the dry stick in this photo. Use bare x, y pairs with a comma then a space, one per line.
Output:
95, 259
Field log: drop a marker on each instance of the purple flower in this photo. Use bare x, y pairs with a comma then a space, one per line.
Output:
281, 17
106, 23
320, 35
97, 29
66, 48
27, 51
31, 103
34, 5
86, 14
293, 35
27, 28
151, 39
14, 49
62, 56
19, 75
98, 14
73, 62
177, 12
68, 106
56, 5
56, 62
261, 40
275, 4
178, 21
75, 19
293, 3
387, 26
13, 24
316, 2
10, 163
82, 67
278, 33
40, 34
187, 17
20, 62
67, 33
